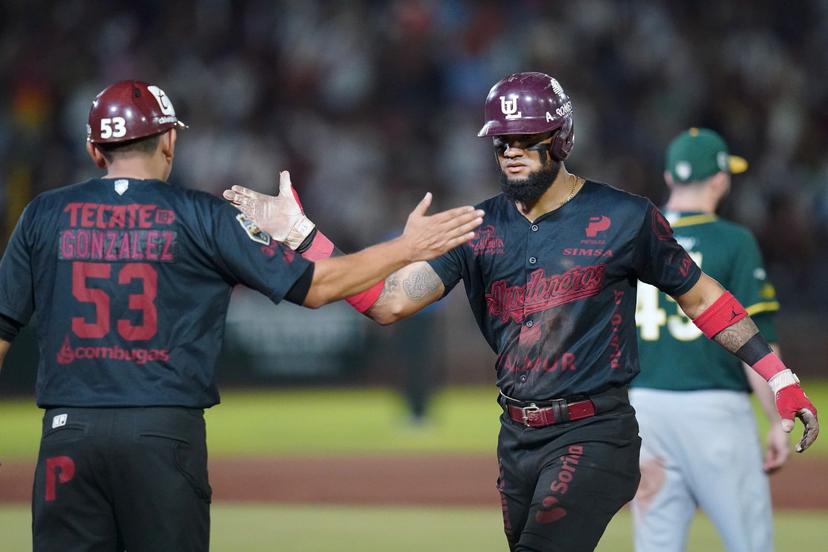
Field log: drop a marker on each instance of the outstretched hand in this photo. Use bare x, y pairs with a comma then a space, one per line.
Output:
425, 236
429, 236
280, 215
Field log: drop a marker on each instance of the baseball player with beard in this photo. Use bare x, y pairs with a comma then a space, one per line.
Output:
551, 279
130, 278
700, 445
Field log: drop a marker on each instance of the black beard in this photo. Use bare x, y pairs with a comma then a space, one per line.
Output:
529, 190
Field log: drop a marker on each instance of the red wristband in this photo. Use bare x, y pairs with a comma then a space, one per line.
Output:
769, 365
320, 248
365, 300
724, 312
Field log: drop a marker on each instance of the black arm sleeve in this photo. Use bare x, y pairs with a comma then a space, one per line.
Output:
297, 293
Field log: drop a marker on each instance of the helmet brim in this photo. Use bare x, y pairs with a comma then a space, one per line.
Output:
525, 125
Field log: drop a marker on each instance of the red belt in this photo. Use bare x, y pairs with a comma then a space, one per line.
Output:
542, 416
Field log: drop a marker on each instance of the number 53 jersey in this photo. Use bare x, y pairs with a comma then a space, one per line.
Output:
130, 281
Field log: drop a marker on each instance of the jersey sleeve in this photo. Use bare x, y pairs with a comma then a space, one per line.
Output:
252, 258
749, 284
659, 259
16, 276
449, 267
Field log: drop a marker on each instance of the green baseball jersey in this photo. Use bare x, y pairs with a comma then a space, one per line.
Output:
674, 353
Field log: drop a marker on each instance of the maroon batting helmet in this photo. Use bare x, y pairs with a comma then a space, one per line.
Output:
128, 110
530, 103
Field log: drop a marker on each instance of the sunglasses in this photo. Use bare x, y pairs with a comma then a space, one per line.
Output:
530, 142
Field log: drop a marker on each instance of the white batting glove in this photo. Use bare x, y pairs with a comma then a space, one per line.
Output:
281, 215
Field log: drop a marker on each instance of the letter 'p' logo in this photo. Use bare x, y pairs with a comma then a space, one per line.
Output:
596, 225
510, 108
66, 468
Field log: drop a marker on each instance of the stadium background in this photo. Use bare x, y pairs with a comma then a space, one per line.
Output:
370, 104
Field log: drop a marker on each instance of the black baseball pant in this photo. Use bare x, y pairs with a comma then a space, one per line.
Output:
561, 485
115, 479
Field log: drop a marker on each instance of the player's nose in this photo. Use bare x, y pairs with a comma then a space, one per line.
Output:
511, 151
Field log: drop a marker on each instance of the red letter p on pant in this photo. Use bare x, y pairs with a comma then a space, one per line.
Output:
66, 466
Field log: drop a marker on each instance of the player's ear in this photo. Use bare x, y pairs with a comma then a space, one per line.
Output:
668, 178
720, 183
167, 143
96, 155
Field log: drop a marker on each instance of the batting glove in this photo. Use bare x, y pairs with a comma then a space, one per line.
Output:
792, 403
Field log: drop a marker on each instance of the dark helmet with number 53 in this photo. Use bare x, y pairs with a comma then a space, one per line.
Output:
128, 110
530, 103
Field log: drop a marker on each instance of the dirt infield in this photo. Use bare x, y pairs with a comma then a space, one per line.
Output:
456, 480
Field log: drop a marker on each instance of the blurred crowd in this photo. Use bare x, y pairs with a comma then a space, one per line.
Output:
372, 103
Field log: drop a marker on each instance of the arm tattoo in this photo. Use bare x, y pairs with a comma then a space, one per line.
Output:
733, 337
420, 284
416, 286
389, 289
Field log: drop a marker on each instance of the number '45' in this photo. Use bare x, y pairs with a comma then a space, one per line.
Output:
650, 317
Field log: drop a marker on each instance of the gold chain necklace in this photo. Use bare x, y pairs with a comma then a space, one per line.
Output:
575, 180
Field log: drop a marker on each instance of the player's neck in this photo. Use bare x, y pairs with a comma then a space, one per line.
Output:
562, 190
683, 201
137, 167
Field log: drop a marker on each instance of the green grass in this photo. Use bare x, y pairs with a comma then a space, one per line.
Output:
299, 422
344, 421
264, 528
20, 430
358, 421
310, 421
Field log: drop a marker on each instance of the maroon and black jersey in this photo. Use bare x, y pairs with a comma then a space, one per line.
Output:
555, 298
130, 282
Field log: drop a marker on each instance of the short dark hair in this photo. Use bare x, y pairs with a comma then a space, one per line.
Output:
147, 145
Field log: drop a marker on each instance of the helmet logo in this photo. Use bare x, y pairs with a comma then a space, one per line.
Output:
556, 87
163, 101
510, 108
684, 170
562, 111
